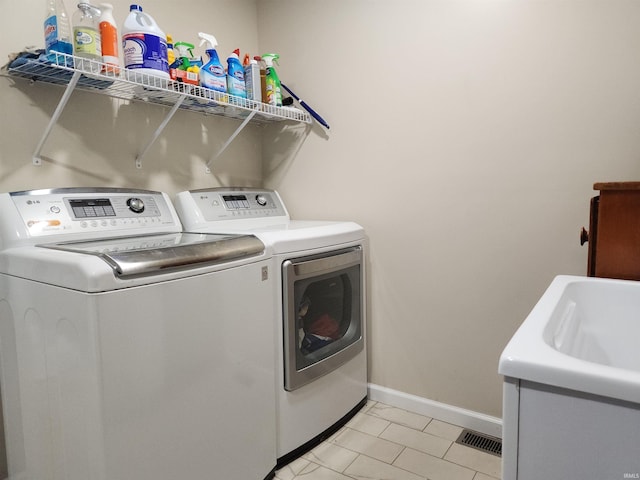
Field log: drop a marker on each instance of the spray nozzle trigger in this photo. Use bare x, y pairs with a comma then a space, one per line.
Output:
210, 39
271, 58
184, 49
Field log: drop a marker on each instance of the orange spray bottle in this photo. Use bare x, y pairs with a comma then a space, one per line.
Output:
109, 37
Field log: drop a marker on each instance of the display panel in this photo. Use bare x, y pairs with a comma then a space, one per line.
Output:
236, 201
92, 208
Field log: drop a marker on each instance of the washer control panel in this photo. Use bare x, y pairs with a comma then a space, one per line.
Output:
77, 210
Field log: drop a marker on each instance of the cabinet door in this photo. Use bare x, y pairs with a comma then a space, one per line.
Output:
617, 239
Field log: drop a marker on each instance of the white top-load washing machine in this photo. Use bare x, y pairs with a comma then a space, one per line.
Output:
319, 320
130, 350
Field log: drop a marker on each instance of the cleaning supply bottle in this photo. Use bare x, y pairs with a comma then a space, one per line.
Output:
182, 54
252, 79
212, 73
57, 29
144, 44
274, 90
109, 40
186, 67
235, 75
171, 55
263, 77
86, 37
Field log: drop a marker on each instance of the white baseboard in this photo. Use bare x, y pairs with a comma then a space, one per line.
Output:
441, 411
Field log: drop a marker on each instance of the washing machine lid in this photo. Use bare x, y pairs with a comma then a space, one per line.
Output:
152, 254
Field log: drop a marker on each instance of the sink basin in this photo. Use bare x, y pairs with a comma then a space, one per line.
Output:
584, 335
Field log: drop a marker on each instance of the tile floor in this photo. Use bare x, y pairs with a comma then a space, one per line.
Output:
387, 443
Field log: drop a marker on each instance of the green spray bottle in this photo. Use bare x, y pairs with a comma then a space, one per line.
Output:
274, 90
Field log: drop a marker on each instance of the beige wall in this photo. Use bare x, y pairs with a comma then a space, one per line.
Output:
97, 139
465, 137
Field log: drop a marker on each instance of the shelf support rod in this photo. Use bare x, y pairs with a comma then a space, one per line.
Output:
159, 130
231, 139
37, 159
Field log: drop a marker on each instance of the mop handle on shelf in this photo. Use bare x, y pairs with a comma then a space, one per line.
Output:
304, 105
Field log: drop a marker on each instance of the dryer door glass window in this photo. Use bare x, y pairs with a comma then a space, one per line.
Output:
323, 315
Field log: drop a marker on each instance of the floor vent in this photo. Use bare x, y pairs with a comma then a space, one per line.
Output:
481, 442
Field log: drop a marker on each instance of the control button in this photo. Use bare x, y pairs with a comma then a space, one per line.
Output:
261, 199
136, 205
55, 209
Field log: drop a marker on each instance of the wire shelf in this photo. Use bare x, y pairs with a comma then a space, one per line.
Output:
127, 84
89, 75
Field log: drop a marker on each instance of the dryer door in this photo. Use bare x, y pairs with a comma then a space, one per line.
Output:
323, 314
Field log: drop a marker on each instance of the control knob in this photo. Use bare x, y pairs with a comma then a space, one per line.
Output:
136, 205
261, 199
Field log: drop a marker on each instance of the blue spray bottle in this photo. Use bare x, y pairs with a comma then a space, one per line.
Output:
212, 74
235, 75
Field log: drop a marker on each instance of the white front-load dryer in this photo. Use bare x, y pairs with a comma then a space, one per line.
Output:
319, 315
130, 350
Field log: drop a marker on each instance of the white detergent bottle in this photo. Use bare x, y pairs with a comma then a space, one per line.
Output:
212, 74
144, 44
252, 80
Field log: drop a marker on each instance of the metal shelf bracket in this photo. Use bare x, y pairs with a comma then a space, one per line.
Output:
158, 131
37, 159
229, 140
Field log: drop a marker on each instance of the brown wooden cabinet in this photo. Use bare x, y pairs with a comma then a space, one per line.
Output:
614, 231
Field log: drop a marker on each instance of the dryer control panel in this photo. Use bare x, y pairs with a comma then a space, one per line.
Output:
221, 204
98, 212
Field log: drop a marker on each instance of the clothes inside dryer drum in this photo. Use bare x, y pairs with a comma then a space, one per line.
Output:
155, 253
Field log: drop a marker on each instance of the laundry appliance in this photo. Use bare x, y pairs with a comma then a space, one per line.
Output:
319, 319
130, 350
